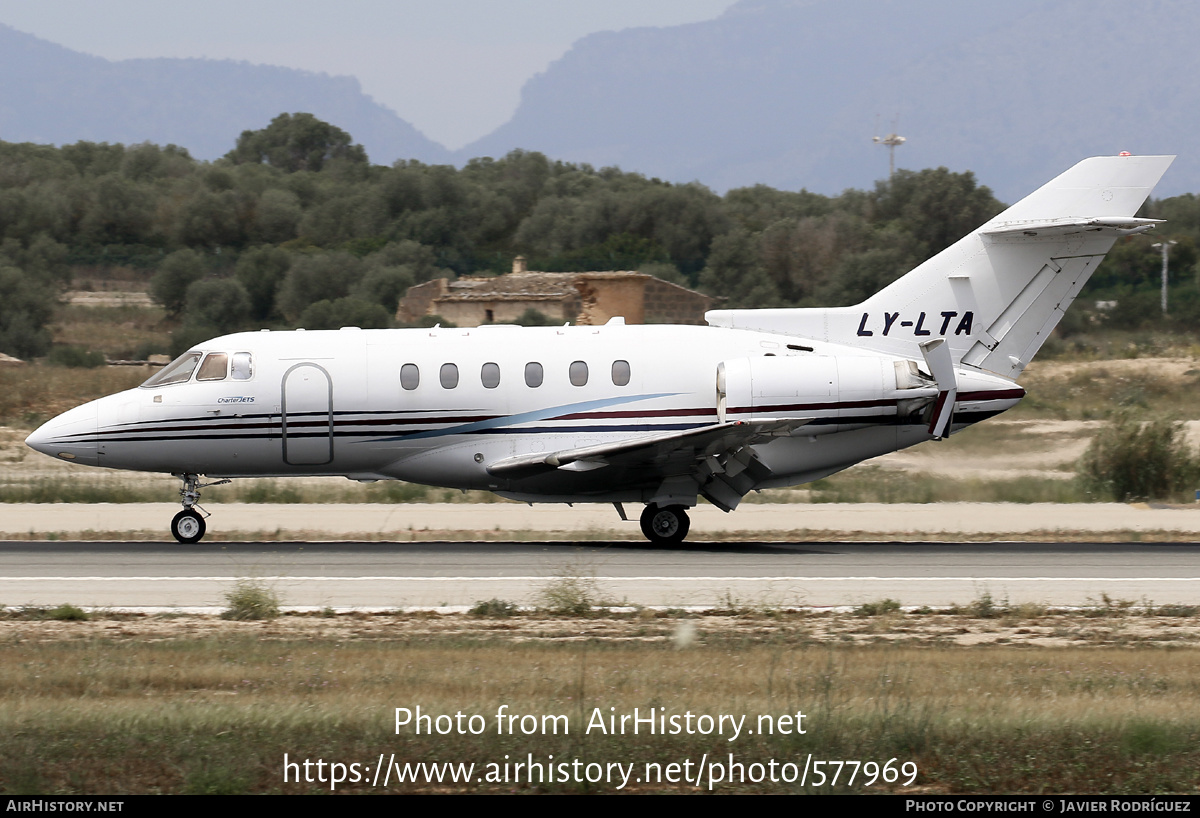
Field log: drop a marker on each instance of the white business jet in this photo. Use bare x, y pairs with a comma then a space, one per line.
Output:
660, 415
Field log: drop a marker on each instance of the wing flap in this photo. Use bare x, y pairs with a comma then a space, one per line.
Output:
703, 441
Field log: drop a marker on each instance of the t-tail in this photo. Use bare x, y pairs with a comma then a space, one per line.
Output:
995, 295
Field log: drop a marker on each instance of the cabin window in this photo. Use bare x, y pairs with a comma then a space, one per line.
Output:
620, 373
578, 373
490, 375
533, 374
449, 376
242, 367
178, 371
410, 376
214, 368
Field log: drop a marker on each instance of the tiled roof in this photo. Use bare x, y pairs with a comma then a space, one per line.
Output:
529, 286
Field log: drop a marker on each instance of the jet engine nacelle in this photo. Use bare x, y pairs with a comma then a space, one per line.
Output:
851, 391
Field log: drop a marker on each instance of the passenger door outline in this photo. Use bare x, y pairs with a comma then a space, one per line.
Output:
308, 437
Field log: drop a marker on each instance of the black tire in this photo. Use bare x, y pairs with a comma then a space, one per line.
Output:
665, 526
644, 522
188, 526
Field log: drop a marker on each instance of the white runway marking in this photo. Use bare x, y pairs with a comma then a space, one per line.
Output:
543, 578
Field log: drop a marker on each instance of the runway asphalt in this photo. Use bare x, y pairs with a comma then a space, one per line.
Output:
449, 574
596, 521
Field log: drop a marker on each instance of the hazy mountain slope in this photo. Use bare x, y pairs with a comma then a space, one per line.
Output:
786, 92
781, 92
51, 94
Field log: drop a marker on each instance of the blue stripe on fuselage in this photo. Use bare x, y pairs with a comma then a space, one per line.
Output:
526, 417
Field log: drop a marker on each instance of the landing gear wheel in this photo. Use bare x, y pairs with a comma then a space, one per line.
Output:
665, 526
188, 526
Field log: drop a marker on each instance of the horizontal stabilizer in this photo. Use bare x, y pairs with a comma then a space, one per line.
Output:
704, 441
1115, 225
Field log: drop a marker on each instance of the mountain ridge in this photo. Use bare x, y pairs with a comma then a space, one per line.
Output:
787, 93
53, 94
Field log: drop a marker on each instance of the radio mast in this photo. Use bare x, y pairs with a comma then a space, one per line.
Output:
892, 140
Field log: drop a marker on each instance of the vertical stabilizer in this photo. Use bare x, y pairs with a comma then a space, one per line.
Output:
996, 294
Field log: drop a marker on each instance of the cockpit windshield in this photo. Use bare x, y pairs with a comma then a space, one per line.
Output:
214, 367
178, 371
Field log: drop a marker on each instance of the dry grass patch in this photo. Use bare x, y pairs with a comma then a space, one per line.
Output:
120, 332
251, 599
199, 705
1093, 390
31, 395
870, 483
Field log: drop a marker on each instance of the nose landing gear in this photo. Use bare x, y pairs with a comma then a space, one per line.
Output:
188, 525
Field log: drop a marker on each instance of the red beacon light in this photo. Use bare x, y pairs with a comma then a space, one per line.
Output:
1124, 153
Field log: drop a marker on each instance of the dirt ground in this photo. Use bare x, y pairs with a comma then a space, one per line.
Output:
1112, 624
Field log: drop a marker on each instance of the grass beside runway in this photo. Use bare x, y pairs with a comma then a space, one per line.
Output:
985, 698
860, 485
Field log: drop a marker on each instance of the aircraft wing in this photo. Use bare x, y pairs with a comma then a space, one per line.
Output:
685, 448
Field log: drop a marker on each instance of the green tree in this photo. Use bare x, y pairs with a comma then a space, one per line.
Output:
75, 357
1132, 460
187, 336
618, 251
319, 277
345, 312
94, 158
754, 208
1182, 214
26, 307
1134, 309
419, 258
610, 220
210, 219
1131, 263
120, 212
385, 286
735, 271
261, 271
294, 142
278, 214
392, 269
175, 274
43, 259
799, 256
862, 274
666, 272
342, 217
222, 304
147, 162
937, 206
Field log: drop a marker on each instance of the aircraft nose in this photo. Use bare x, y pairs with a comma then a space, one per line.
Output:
71, 436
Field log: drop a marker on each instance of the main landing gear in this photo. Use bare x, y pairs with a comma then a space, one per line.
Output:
188, 525
665, 525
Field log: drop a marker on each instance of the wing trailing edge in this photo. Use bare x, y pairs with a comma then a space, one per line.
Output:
717, 461
705, 441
